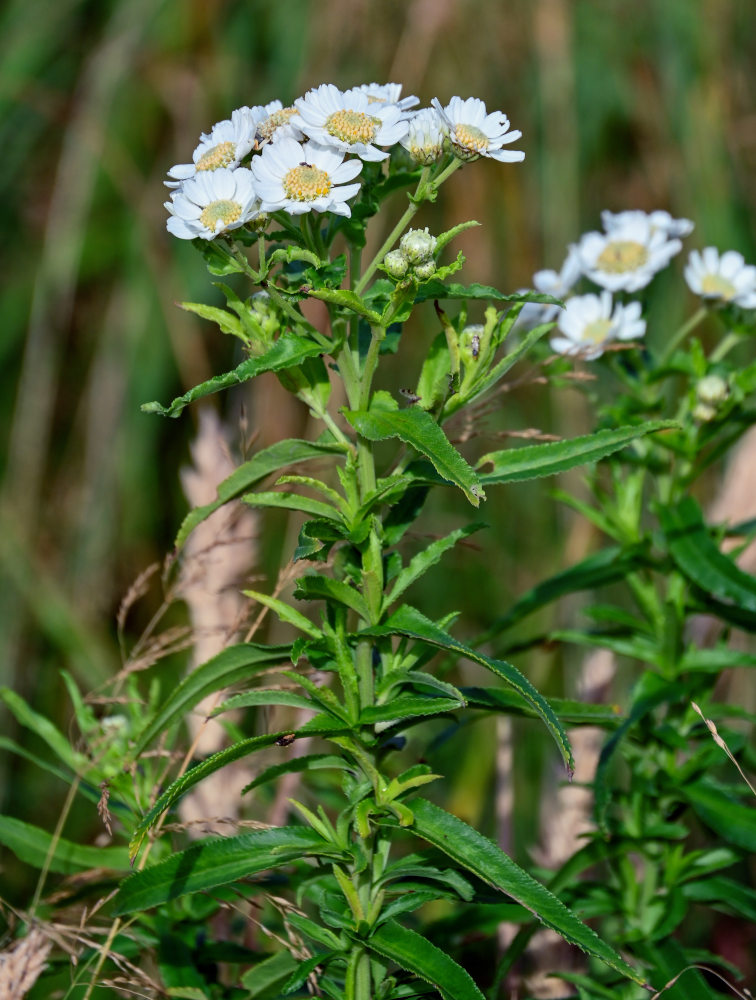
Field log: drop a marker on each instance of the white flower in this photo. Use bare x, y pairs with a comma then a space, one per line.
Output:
349, 121
659, 220
226, 145
425, 139
727, 278
628, 257
474, 133
274, 122
588, 325
559, 284
387, 93
301, 177
211, 203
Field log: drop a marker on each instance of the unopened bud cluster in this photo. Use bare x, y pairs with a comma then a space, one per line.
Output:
416, 249
710, 392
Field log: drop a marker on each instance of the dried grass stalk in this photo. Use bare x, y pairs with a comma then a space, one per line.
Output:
22, 963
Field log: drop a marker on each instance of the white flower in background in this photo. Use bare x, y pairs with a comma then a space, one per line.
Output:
302, 177
559, 284
674, 228
274, 122
628, 257
226, 145
425, 138
589, 325
349, 122
387, 93
727, 278
211, 203
474, 133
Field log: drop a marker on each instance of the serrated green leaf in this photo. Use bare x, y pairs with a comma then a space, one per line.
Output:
518, 464
277, 456
292, 501
346, 300
227, 322
264, 980
231, 665
408, 621
217, 861
419, 430
481, 856
407, 706
264, 696
43, 728
410, 951
426, 558
568, 711
286, 613
316, 587
31, 844
439, 290
733, 821
695, 553
288, 351
310, 762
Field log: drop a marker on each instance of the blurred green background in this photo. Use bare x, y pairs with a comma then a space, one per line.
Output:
622, 105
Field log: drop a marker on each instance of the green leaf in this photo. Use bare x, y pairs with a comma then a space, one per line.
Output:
419, 430
319, 726
234, 664
410, 951
217, 861
428, 557
698, 557
568, 711
43, 728
408, 621
518, 464
315, 587
288, 351
286, 613
31, 845
347, 300
438, 290
724, 894
265, 462
481, 856
407, 706
264, 980
264, 696
292, 501
310, 762
227, 322
730, 819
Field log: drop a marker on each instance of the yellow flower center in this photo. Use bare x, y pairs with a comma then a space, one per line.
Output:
223, 210
222, 155
620, 256
715, 284
469, 141
352, 126
597, 331
266, 128
306, 183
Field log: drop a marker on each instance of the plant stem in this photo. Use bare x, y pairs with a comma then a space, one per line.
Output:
54, 841
724, 347
683, 332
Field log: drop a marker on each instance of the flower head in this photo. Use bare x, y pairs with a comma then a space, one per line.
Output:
474, 133
226, 145
674, 228
275, 121
417, 245
589, 325
627, 257
726, 279
349, 122
303, 177
387, 93
212, 203
425, 137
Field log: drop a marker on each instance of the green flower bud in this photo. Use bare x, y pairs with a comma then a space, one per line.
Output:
425, 270
396, 264
712, 389
703, 413
417, 245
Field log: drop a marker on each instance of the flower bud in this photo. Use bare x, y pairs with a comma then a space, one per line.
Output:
396, 263
265, 313
417, 245
712, 389
425, 270
703, 413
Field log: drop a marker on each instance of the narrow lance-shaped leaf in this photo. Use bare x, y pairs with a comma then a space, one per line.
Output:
480, 855
518, 464
231, 665
419, 430
416, 954
292, 501
289, 350
32, 845
310, 762
265, 462
428, 557
43, 728
408, 621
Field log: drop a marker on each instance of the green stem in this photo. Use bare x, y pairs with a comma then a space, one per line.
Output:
683, 332
371, 362
724, 347
54, 841
358, 976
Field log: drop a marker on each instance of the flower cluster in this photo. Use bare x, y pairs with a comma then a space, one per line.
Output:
301, 158
624, 258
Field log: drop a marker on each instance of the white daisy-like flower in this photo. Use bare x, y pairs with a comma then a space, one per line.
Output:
557, 283
211, 203
226, 145
474, 133
726, 278
303, 177
426, 136
589, 325
274, 122
628, 257
349, 122
388, 93
659, 220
